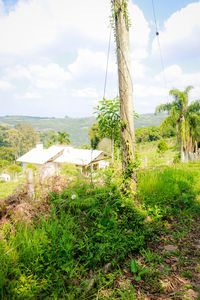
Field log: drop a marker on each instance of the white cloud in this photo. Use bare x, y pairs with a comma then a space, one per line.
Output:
18, 72
1, 8
149, 91
49, 76
33, 24
138, 69
177, 78
180, 36
89, 64
5, 86
31, 95
152, 93
41, 40
139, 32
85, 93
88, 61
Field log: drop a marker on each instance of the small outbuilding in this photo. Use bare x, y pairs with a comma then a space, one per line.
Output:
4, 177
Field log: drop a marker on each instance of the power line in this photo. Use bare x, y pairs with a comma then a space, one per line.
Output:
108, 54
159, 45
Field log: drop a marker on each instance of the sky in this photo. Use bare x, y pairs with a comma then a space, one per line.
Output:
53, 55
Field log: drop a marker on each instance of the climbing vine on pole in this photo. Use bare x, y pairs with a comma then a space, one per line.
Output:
116, 7
121, 24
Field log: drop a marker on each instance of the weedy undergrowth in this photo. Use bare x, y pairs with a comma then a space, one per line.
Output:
89, 226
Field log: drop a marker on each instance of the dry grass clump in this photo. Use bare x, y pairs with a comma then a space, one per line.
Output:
19, 206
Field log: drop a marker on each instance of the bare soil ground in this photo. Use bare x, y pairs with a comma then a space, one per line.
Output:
174, 264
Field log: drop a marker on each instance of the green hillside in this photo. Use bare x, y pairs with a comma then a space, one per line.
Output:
76, 127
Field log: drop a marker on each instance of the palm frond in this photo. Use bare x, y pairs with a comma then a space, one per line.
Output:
188, 89
194, 107
175, 93
164, 107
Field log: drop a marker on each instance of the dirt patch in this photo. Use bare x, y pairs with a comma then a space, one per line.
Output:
174, 270
19, 206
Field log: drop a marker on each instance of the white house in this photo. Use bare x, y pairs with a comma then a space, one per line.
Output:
4, 177
49, 160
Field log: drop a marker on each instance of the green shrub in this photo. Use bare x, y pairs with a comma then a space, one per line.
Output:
14, 169
86, 229
69, 170
32, 166
162, 147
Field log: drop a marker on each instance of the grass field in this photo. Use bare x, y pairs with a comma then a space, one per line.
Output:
149, 156
6, 188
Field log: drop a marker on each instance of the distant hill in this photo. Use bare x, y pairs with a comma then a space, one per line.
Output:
76, 127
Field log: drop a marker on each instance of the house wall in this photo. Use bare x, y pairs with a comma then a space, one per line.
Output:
52, 168
4, 177
48, 169
24, 166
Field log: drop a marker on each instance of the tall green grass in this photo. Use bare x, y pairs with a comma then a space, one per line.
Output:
171, 191
52, 257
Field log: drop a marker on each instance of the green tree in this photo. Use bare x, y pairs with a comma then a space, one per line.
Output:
193, 117
22, 138
3, 164
7, 154
109, 123
85, 146
28, 137
45, 137
94, 135
154, 133
180, 113
162, 147
142, 134
13, 139
168, 127
3, 136
61, 138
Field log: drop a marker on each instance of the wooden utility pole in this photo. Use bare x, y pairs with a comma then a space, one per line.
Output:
125, 82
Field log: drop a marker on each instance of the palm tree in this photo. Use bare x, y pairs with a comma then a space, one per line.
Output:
193, 117
60, 138
185, 116
63, 138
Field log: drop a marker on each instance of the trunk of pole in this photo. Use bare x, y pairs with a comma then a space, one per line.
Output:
125, 86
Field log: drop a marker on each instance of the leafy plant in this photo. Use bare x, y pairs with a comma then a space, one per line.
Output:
137, 270
109, 122
162, 147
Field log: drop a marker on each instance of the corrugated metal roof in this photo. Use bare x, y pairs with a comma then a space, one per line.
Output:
39, 156
78, 156
67, 154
